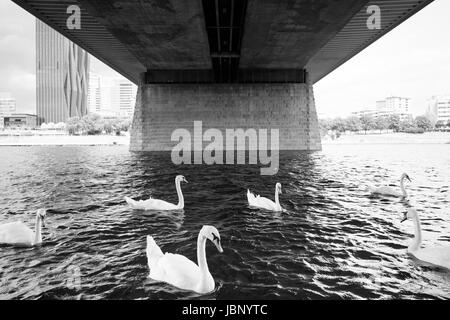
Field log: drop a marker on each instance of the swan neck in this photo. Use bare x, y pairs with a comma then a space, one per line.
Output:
180, 194
277, 199
38, 230
201, 255
402, 186
415, 245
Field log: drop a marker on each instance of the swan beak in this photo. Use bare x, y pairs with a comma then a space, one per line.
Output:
409, 179
185, 180
218, 246
404, 218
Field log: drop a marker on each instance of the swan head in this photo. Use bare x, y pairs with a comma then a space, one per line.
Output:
41, 213
278, 188
405, 176
212, 234
411, 213
180, 178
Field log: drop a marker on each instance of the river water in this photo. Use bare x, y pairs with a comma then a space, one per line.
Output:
333, 241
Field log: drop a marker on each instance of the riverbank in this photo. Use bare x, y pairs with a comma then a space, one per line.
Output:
58, 139
391, 138
63, 140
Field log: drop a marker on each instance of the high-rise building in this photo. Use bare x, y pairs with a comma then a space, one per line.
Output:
431, 112
439, 109
395, 105
62, 76
7, 104
110, 96
127, 96
398, 105
443, 109
94, 93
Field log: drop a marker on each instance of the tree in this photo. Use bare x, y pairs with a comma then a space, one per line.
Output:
324, 126
92, 124
338, 124
367, 123
406, 125
394, 122
353, 124
73, 125
108, 126
125, 124
381, 123
440, 124
423, 123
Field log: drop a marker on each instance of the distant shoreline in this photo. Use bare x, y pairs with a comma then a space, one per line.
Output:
390, 138
111, 140
62, 140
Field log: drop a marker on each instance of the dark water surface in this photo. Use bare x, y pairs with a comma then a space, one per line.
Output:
334, 241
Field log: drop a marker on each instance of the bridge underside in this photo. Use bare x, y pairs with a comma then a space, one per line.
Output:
230, 63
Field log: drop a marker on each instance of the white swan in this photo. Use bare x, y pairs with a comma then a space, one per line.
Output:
262, 202
17, 233
178, 270
439, 256
389, 191
156, 204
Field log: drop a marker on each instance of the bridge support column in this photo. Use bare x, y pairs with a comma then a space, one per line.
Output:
162, 108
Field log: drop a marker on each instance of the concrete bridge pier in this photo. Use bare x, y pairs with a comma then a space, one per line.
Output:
163, 106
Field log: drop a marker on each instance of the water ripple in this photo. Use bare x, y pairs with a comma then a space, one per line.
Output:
333, 241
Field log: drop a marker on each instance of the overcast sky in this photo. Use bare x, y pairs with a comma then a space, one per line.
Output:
413, 61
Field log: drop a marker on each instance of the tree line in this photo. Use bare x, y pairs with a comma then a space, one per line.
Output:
391, 122
94, 124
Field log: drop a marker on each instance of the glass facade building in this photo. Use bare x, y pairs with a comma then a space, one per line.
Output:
62, 76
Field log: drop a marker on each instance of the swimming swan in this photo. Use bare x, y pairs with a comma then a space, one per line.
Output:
178, 270
17, 233
262, 202
156, 204
439, 256
389, 191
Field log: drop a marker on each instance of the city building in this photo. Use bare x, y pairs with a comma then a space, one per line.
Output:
94, 93
127, 96
443, 109
372, 112
368, 113
438, 109
395, 105
7, 104
389, 106
111, 96
18, 120
62, 76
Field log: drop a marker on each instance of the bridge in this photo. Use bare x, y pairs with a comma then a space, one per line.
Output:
227, 63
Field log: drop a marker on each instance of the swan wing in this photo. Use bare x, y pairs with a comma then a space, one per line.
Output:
136, 204
263, 202
439, 256
251, 197
16, 233
179, 271
156, 204
153, 251
266, 203
385, 190
150, 204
